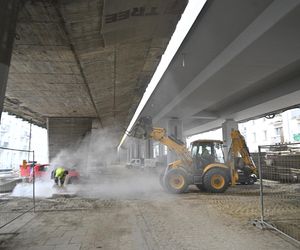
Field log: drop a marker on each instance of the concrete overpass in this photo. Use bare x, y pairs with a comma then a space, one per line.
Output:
240, 60
83, 65
77, 65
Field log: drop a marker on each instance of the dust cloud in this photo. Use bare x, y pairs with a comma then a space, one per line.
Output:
101, 175
43, 189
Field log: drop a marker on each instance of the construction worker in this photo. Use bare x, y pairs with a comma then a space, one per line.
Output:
59, 175
206, 155
32, 169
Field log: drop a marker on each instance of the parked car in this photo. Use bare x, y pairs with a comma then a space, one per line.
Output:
26, 171
135, 163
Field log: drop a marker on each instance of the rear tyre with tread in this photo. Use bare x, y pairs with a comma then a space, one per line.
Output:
161, 180
216, 180
176, 181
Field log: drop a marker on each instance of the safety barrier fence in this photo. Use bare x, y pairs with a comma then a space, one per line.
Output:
279, 167
12, 206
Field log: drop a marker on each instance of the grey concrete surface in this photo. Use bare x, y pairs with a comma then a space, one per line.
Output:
170, 222
241, 61
87, 58
127, 209
8, 12
66, 133
8, 184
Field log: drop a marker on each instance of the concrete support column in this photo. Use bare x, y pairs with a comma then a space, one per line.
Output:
135, 148
148, 149
161, 150
174, 130
162, 157
66, 133
227, 127
132, 149
142, 149
128, 157
96, 126
122, 155
90, 145
139, 153
8, 13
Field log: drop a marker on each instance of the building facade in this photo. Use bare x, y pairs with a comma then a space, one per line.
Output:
280, 128
15, 134
273, 129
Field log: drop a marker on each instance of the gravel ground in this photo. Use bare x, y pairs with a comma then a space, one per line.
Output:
130, 211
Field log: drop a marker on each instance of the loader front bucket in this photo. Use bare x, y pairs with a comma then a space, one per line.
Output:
143, 128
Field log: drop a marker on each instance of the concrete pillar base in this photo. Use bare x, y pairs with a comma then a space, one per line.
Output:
66, 133
148, 149
134, 149
8, 13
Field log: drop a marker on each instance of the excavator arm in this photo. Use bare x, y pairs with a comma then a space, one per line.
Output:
213, 176
144, 130
239, 148
159, 134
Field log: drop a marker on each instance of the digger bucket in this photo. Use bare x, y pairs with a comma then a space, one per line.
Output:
143, 128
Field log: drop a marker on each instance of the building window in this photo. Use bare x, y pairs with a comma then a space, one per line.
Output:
265, 135
156, 151
254, 137
165, 150
296, 135
278, 131
279, 135
295, 113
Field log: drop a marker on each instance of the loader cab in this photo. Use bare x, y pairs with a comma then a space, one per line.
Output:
205, 152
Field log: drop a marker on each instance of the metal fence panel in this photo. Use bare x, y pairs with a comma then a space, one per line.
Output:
279, 166
13, 205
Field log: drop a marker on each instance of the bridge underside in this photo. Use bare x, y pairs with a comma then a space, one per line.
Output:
240, 60
86, 58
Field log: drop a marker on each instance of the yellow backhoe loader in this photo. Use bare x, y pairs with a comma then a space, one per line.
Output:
204, 165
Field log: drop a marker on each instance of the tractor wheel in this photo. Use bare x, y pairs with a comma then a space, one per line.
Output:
216, 180
175, 181
201, 187
161, 180
252, 179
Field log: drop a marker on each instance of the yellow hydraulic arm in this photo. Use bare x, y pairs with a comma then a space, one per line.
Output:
239, 146
159, 134
143, 129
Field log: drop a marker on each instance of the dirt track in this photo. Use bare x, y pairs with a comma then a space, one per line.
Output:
147, 218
